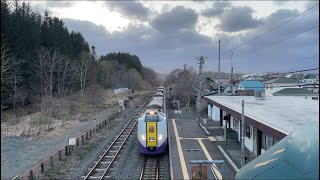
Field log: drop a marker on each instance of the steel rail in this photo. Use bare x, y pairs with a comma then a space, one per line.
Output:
113, 143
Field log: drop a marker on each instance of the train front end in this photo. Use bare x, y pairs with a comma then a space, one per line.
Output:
152, 132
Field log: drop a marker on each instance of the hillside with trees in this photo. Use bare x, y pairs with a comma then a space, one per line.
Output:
55, 71
41, 58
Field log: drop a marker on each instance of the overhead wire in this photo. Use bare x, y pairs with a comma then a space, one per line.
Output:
257, 37
300, 85
250, 52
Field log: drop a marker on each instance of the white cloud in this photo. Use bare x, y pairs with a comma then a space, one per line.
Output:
165, 50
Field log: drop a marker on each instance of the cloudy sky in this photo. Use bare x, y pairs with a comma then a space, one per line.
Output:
167, 34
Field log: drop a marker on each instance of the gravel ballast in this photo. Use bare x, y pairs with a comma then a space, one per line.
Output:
19, 154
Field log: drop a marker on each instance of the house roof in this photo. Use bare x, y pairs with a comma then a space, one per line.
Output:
282, 113
251, 85
282, 80
295, 91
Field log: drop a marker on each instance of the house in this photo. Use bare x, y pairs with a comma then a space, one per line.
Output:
311, 84
230, 89
266, 121
280, 83
310, 81
247, 88
301, 92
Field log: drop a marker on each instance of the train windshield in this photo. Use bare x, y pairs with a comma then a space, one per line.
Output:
151, 118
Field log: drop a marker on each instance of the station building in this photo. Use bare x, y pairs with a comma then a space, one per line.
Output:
267, 120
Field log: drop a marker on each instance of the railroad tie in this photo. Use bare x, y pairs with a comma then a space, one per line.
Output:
103, 162
94, 177
101, 169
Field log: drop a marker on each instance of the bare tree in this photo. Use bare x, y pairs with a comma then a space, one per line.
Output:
183, 82
11, 78
107, 72
45, 69
64, 72
132, 78
7, 60
18, 96
82, 69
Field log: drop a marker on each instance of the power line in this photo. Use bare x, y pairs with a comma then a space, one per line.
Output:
305, 70
279, 41
278, 73
308, 84
257, 37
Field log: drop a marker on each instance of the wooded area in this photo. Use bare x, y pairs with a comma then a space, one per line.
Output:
41, 59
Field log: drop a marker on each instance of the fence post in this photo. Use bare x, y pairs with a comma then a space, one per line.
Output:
51, 161
31, 174
82, 139
42, 168
66, 150
90, 133
87, 135
77, 141
60, 155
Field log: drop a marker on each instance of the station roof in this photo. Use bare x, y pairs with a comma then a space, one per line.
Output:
294, 157
281, 113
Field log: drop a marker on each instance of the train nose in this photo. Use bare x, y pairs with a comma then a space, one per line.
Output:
152, 148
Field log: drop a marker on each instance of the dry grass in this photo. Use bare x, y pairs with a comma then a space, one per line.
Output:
59, 115
32, 125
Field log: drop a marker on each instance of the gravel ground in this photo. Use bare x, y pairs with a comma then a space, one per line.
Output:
19, 154
76, 165
130, 164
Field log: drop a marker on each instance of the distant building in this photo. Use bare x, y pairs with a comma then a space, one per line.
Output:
245, 76
289, 75
223, 81
311, 81
230, 89
247, 88
266, 121
301, 92
280, 83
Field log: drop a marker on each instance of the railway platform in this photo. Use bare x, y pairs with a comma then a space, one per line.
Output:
189, 141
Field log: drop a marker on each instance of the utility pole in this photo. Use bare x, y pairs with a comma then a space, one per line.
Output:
231, 88
185, 83
219, 70
242, 136
200, 62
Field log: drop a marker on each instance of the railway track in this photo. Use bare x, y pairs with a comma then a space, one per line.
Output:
150, 169
153, 168
103, 167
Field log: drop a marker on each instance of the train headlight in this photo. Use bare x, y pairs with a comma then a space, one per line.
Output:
160, 137
151, 112
143, 137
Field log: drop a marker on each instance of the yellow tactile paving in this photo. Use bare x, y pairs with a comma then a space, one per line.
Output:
215, 169
211, 138
182, 161
192, 138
